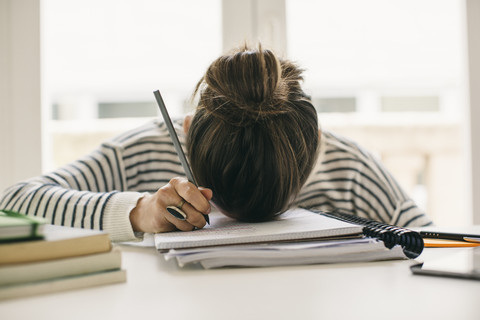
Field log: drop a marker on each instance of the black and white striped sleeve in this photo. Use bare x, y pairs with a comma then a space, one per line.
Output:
350, 179
88, 193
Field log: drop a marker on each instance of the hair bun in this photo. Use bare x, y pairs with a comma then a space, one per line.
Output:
244, 87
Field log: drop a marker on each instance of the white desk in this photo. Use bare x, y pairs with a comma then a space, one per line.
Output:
157, 289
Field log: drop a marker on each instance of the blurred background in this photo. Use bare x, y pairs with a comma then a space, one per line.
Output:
389, 74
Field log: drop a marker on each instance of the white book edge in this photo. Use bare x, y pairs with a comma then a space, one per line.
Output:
63, 284
58, 268
19, 226
21, 232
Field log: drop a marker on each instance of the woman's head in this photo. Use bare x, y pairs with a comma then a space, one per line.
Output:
254, 136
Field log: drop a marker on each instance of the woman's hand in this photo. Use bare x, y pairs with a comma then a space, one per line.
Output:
150, 215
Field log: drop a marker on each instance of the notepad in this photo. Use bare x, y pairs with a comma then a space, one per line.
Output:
294, 225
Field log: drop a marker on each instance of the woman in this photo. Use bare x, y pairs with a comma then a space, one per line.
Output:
254, 144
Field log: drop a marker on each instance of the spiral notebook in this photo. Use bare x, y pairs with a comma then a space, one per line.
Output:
294, 234
293, 225
410, 241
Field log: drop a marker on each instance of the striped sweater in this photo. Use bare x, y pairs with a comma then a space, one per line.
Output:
99, 190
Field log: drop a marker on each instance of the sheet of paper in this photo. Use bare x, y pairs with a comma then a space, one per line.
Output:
292, 225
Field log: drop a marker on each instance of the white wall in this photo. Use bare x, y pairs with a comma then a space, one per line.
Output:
20, 99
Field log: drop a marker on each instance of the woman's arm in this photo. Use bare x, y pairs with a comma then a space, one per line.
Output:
92, 193
88, 193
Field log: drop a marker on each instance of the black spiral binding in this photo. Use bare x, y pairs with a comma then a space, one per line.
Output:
410, 241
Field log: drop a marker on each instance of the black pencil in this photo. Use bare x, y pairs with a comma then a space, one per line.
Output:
176, 143
450, 236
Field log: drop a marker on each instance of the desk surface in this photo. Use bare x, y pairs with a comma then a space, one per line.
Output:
159, 289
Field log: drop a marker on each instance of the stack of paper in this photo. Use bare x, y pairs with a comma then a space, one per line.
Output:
284, 254
298, 237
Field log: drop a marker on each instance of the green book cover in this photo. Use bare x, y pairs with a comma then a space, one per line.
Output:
16, 226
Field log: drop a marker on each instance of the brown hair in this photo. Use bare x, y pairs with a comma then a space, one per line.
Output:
254, 137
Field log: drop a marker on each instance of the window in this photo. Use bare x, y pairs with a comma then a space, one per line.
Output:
104, 59
389, 74
380, 48
335, 104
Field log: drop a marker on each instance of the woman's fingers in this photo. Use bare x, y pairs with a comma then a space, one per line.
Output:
186, 213
191, 194
207, 193
180, 194
194, 217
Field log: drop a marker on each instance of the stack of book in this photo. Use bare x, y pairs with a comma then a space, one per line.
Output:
37, 258
297, 237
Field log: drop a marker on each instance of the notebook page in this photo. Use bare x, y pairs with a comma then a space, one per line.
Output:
295, 224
